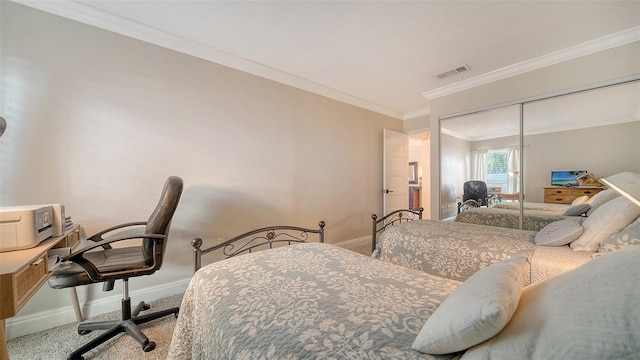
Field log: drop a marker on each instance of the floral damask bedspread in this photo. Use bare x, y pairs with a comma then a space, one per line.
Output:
306, 301
533, 220
457, 250
514, 205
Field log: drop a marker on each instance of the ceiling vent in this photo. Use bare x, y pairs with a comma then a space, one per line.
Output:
451, 72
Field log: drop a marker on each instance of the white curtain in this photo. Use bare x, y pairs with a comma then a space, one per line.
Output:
479, 165
513, 170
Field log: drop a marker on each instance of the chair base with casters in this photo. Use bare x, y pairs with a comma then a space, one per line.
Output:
128, 324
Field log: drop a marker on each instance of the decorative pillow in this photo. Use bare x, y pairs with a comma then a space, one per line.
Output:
580, 200
627, 237
607, 220
587, 313
559, 233
577, 210
476, 311
601, 198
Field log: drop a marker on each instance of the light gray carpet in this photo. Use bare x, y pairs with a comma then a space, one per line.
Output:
59, 342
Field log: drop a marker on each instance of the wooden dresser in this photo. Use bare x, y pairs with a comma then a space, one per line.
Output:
414, 197
566, 195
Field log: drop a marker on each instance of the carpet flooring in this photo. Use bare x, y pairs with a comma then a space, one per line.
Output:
59, 342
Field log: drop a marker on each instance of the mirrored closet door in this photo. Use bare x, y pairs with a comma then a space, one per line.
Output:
541, 146
481, 149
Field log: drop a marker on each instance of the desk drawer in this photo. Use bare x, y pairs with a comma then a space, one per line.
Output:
30, 276
73, 239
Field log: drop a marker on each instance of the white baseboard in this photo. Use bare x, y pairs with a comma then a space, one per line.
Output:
32, 323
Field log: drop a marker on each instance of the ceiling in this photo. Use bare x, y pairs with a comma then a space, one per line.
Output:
378, 55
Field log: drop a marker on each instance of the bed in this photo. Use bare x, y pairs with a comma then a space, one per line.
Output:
306, 301
535, 215
457, 250
319, 301
515, 205
533, 220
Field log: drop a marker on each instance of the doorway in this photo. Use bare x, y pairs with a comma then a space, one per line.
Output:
420, 153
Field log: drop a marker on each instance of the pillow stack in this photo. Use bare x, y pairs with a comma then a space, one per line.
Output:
607, 220
569, 316
559, 233
625, 238
588, 313
600, 199
608, 214
476, 311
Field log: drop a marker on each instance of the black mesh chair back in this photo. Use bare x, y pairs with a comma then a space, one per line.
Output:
475, 190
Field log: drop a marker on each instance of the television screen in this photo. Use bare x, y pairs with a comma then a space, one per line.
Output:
566, 178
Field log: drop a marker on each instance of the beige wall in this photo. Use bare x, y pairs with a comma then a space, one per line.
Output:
603, 66
97, 121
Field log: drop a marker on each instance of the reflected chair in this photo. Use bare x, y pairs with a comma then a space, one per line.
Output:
100, 263
475, 194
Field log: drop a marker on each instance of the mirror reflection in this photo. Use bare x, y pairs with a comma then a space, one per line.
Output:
569, 142
480, 157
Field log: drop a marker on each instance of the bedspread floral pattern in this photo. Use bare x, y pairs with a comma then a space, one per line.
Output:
307, 301
507, 218
451, 250
515, 205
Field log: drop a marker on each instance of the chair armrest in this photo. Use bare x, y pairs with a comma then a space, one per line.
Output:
98, 236
90, 268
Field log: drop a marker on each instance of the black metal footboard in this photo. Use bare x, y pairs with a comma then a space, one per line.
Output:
250, 240
391, 219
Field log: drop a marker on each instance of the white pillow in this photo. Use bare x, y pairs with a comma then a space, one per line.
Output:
587, 313
607, 220
577, 210
559, 233
476, 311
601, 198
580, 200
627, 237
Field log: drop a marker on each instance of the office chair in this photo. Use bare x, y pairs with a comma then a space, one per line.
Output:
100, 263
474, 195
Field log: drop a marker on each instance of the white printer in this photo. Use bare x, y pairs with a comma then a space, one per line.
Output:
23, 227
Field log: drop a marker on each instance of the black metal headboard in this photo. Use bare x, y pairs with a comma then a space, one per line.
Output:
391, 219
259, 237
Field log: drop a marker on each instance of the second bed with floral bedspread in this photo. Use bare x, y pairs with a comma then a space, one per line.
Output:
457, 250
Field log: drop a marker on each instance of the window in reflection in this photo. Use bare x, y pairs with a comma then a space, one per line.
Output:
482, 146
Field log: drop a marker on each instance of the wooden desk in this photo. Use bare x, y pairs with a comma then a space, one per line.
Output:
23, 272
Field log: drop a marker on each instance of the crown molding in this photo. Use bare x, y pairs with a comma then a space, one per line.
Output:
417, 113
88, 15
590, 47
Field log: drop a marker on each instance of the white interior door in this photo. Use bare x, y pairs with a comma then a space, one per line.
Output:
395, 168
